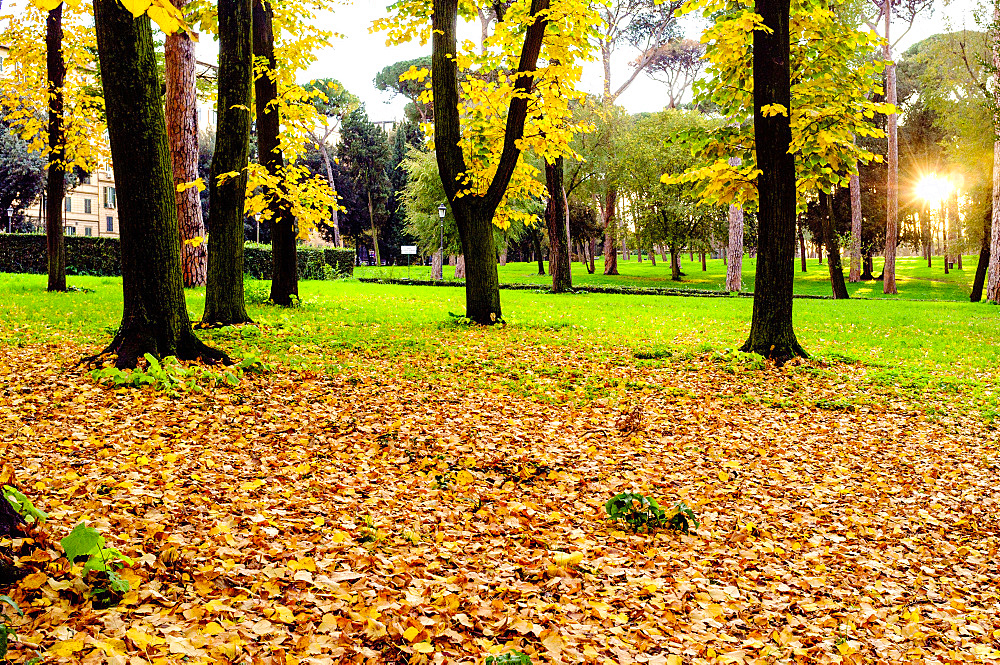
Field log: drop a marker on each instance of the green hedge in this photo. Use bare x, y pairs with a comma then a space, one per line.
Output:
26, 253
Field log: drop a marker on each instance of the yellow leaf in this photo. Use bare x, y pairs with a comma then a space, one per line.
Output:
411, 633
339, 537
66, 648
142, 640
423, 647
464, 477
723, 476
212, 628
284, 614
137, 7
46, 5
33, 581
565, 559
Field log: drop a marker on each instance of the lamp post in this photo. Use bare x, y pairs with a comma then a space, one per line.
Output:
442, 211
10, 219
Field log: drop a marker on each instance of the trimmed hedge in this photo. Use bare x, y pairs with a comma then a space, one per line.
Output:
101, 257
27, 253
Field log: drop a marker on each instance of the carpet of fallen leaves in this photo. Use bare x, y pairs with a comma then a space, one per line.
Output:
302, 518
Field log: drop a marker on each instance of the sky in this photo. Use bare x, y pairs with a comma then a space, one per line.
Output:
359, 55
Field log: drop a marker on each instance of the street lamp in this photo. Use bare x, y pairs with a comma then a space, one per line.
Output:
442, 211
10, 219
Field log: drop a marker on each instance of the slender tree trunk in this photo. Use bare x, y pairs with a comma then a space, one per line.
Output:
704, 262
284, 271
55, 189
155, 318
834, 266
993, 285
555, 219
943, 213
734, 265
984, 258
802, 244
675, 263
610, 246
855, 187
536, 241
592, 266
224, 300
327, 162
182, 131
371, 218
771, 333
892, 184
956, 245
652, 256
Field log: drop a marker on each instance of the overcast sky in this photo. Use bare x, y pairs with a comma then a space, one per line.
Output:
356, 58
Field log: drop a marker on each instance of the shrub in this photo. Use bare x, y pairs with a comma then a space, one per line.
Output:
341, 260
26, 253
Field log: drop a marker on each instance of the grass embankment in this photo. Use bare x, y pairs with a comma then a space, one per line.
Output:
914, 280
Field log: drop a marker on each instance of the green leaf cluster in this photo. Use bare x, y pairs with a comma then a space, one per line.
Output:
642, 512
22, 505
6, 631
85, 541
510, 658
172, 377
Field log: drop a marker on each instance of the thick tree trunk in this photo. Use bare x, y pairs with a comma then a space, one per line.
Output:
55, 189
155, 317
482, 284
993, 285
855, 187
182, 131
834, 266
610, 246
771, 333
892, 184
460, 267
437, 265
555, 219
734, 264
284, 272
675, 264
652, 256
224, 302
867, 263
984, 257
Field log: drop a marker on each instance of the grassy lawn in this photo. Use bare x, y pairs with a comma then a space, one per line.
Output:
914, 280
400, 487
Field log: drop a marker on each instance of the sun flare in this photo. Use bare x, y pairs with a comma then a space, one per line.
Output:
934, 188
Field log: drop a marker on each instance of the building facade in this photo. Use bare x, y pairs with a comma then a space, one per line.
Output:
89, 209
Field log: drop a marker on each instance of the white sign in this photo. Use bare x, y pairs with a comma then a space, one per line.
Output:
408, 249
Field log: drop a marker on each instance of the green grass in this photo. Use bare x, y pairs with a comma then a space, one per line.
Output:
914, 280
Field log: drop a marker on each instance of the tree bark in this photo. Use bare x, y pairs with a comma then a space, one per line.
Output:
284, 272
460, 267
555, 218
802, 244
993, 285
675, 264
371, 218
610, 246
855, 188
943, 214
984, 257
892, 184
704, 262
833, 264
437, 266
182, 132
536, 240
55, 189
155, 317
474, 212
328, 164
591, 266
734, 265
224, 301
771, 333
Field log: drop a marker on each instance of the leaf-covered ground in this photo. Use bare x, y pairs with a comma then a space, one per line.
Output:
450, 504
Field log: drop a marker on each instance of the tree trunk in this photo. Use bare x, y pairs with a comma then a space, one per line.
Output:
182, 131
892, 184
555, 218
652, 256
284, 272
855, 188
819, 253
327, 163
802, 244
610, 246
224, 301
155, 317
867, 263
734, 265
836, 271
771, 333
371, 218
592, 267
675, 264
955, 230
460, 267
943, 213
984, 258
55, 189
704, 262
993, 285
482, 283
536, 240
437, 265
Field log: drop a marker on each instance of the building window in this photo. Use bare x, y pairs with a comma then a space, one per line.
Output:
71, 230
87, 231
110, 198
86, 179
87, 208
69, 204
111, 224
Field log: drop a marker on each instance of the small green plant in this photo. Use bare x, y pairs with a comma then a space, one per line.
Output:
6, 630
22, 505
172, 377
255, 292
85, 541
510, 658
643, 512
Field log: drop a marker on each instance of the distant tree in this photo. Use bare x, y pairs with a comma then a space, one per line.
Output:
388, 80
676, 64
364, 152
21, 175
